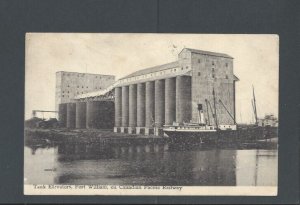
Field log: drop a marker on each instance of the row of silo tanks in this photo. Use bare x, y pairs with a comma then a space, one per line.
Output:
87, 115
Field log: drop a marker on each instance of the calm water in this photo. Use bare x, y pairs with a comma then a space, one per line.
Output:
151, 164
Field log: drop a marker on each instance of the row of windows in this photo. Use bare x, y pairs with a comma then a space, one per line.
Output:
78, 86
86, 87
152, 74
68, 95
185, 68
82, 92
213, 75
212, 63
74, 74
82, 75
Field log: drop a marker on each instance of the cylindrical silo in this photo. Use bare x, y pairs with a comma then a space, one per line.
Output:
132, 105
100, 115
149, 98
125, 106
159, 103
183, 99
62, 114
170, 101
107, 118
80, 115
91, 114
71, 115
141, 105
118, 107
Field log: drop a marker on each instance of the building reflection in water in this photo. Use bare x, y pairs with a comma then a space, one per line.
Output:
150, 164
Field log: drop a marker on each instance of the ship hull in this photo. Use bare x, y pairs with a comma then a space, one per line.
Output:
200, 137
220, 136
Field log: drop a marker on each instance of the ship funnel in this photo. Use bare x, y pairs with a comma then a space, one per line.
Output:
200, 114
200, 107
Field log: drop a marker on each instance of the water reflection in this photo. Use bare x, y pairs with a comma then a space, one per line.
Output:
260, 168
148, 164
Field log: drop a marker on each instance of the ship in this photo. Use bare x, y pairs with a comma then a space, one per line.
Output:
203, 132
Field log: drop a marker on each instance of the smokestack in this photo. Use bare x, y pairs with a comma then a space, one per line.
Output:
200, 114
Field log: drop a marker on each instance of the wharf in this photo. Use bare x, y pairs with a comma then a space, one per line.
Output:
90, 136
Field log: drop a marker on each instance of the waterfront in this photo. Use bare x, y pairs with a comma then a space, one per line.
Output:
148, 164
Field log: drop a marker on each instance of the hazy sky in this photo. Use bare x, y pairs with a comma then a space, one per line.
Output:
256, 62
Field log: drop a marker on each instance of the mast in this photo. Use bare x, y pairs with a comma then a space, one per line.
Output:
207, 111
215, 110
241, 117
254, 106
213, 115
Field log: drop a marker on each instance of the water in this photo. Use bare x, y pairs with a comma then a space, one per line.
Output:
150, 164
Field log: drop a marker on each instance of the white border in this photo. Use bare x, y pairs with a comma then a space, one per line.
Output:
158, 190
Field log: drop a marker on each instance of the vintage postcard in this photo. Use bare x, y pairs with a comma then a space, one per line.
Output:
151, 114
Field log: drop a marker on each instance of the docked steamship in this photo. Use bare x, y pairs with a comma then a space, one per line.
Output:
203, 132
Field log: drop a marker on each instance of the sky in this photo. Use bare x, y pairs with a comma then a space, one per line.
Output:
256, 62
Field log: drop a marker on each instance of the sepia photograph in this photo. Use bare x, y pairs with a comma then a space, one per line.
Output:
151, 114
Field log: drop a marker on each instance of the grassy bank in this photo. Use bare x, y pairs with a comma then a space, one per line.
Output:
85, 135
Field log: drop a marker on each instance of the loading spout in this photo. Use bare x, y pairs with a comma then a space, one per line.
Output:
227, 111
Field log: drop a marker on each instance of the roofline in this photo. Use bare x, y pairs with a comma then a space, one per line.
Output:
214, 55
127, 76
235, 78
221, 54
84, 73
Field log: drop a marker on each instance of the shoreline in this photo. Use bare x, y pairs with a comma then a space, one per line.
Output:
109, 138
88, 135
